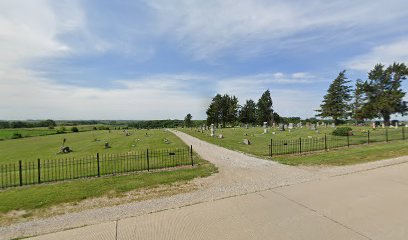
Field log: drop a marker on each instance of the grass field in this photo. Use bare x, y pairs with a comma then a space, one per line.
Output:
36, 200
345, 156
233, 137
85, 144
6, 134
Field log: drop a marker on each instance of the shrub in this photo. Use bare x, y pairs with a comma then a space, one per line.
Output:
74, 129
61, 129
342, 131
16, 135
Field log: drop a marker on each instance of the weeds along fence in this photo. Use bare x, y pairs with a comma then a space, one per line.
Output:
310, 144
41, 171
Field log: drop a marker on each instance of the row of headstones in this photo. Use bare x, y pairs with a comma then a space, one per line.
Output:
374, 125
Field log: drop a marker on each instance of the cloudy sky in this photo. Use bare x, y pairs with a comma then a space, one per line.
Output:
159, 59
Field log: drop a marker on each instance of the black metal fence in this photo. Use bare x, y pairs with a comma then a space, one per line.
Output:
310, 144
41, 171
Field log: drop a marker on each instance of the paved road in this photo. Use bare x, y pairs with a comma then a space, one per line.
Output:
364, 205
252, 198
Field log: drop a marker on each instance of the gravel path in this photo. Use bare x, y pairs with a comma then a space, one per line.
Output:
238, 174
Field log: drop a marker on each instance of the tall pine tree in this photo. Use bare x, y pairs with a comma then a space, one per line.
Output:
384, 93
336, 102
264, 108
247, 113
358, 102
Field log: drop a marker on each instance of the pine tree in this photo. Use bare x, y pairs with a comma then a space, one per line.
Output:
384, 93
336, 102
247, 114
264, 108
358, 101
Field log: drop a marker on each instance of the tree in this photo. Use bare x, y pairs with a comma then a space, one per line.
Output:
247, 113
264, 108
358, 101
336, 102
222, 110
187, 120
384, 93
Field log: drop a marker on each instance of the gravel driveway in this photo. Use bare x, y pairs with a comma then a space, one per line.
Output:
239, 174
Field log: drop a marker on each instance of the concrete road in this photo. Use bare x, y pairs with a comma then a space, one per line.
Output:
363, 205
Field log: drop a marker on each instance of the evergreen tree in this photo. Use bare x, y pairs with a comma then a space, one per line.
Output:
384, 93
247, 113
336, 102
358, 101
187, 120
222, 110
264, 108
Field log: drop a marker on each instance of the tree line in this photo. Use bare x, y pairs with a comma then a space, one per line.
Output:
225, 109
380, 96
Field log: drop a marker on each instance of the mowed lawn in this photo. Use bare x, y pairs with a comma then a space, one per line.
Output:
233, 139
86, 144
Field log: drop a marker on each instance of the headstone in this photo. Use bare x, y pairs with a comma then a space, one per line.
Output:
396, 124
333, 125
212, 130
373, 125
107, 145
406, 125
313, 127
281, 127
290, 126
273, 133
382, 125
221, 136
265, 127
246, 142
246, 126
273, 124
286, 126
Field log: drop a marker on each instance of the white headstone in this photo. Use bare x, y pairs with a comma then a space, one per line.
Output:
265, 126
212, 130
382, 125
396, 124
333, 125
290, 126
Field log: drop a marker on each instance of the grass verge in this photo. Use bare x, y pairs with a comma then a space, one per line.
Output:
29, 200
347, 156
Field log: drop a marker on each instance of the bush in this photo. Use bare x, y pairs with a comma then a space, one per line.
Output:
16, 135
74, 129
342, 131
61, 129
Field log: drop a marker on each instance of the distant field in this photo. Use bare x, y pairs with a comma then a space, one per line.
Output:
233, 137
85, 143
7, 133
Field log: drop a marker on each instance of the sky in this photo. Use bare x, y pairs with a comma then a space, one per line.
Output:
160, 59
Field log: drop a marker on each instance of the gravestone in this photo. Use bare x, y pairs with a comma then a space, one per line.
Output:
221, 136
382, 125
107, 145
373, 125
273, 125
246, 142
212, 130
265, 127
290, 126
281, 127
246, 126
396, 124
286, 126
313, 127
333, 125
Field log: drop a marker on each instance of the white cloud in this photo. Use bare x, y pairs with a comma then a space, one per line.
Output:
386, 54
208, 29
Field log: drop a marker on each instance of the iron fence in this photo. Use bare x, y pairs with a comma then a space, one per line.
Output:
310, 144
41, 171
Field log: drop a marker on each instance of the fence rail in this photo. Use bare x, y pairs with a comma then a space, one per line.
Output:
310, 144
41, 171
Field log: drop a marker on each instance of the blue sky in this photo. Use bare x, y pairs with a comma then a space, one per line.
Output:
158, 59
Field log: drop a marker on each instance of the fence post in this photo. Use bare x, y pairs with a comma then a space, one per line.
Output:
99, 168
39, 170
386, 134
325, 142
403, 133
20, 170
147, 158
271, 147
300, 145
368, 136
191, 155
348, 139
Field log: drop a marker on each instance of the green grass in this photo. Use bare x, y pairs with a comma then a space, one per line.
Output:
233, 137
47, 195
84, 144
346, 156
